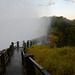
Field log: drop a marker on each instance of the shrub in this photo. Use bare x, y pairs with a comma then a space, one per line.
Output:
58, 61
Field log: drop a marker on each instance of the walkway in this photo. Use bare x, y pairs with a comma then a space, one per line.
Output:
14, 67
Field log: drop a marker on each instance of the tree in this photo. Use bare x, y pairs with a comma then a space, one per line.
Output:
64, 30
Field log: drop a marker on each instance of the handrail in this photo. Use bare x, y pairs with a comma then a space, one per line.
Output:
41, 69
27, 59
5, 56
29, 63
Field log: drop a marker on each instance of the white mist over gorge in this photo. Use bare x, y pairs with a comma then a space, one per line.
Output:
19, 20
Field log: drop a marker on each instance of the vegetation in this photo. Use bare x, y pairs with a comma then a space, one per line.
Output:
58, 61
59, 57
2, 50
62, 32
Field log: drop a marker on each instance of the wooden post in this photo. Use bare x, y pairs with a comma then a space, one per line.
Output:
8, 52
12, 45
23, 44
24, 48
27, 43
5, 56
2, 60
11, 49
22, 57
17, 44
30, 70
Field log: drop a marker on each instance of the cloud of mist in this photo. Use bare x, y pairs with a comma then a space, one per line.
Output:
19, 21
16, 21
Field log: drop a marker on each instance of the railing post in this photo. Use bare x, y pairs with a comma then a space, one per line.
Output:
8, 52
17, 44
22, 56
2, 60
30, 70
12, 46
23, 43
24, 46
27, 43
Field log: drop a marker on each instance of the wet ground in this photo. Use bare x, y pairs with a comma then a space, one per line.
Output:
14, 67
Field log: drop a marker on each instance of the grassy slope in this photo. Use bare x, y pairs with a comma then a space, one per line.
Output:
58, 61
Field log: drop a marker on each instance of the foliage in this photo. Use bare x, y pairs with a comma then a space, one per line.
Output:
58, 61
52, 41
64, 30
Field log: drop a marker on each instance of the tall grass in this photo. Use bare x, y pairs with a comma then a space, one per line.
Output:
58, 61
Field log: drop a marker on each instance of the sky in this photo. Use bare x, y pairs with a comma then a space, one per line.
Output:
64, 8
40, 8
19, 18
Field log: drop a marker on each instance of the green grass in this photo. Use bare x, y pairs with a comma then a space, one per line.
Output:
57, 61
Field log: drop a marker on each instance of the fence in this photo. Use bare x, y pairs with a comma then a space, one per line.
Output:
28, 61
5, 56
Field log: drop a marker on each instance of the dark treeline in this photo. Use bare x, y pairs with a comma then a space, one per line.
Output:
62, 32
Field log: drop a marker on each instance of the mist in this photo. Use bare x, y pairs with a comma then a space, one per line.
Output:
19, 21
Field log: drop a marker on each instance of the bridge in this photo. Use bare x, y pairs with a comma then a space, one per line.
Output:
15, 61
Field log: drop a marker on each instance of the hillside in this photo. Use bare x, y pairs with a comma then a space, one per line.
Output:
61, 32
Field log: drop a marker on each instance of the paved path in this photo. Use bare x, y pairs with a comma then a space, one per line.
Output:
14, 67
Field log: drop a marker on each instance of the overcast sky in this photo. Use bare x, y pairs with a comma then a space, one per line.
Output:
17, 18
